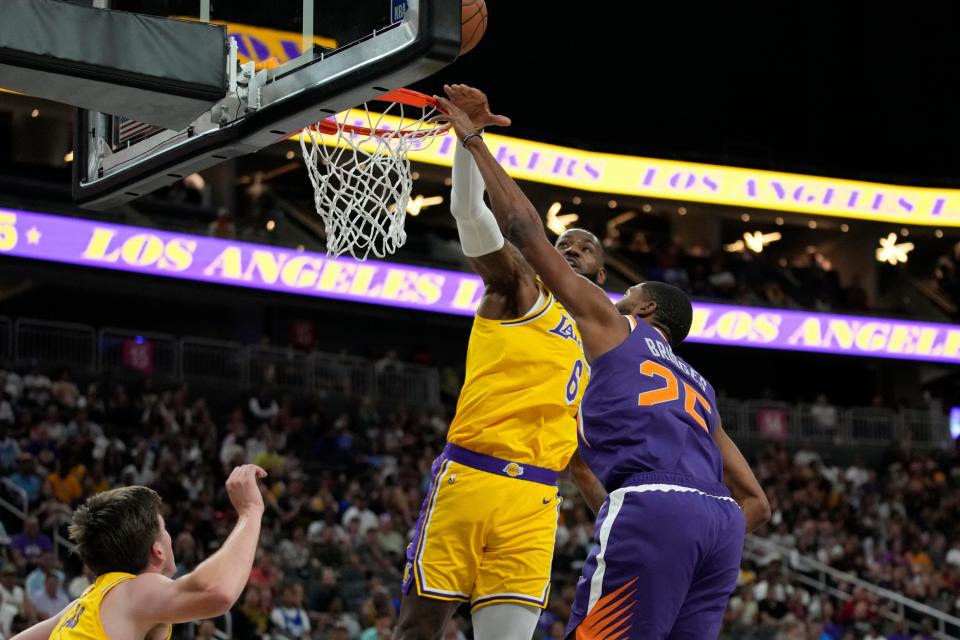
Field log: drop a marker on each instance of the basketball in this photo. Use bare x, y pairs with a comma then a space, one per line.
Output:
473, 17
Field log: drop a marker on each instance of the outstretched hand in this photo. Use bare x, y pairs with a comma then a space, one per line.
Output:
475, 104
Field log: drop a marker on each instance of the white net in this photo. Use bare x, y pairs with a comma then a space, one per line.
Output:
359, 167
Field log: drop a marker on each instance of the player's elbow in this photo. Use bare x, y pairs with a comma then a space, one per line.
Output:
215, 601
757, 511
765, 513
220, 601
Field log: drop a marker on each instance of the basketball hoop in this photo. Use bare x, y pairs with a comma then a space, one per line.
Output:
357, 162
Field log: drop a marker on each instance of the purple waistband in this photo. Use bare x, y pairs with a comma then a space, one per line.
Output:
500, 467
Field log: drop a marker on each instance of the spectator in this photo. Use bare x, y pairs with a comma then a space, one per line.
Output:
294, 551
262, 406
50, 600
7, 415
368, 519
65, 391
250, 617
9, 450
206, 630
12, 593
80, 583
36, 387
26, 478
290, 619
47, 563
64, 484
8, 612
824, 414
222, 226
389, 363
31, 543
381, 629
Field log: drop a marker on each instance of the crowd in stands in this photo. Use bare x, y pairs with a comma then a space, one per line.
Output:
895, 526
345, 486
754, 279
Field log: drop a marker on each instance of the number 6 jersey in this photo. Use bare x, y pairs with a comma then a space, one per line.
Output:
524, 382
647, 410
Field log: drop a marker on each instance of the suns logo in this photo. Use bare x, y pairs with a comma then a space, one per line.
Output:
513, 470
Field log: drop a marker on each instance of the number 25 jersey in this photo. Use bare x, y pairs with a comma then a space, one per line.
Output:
647, 410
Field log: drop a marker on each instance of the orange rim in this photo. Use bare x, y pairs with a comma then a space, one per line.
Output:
399, 96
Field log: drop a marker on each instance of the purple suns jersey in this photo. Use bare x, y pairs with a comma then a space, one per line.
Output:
646, 410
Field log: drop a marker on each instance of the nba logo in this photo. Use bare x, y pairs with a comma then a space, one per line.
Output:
513, 470
406, 571
398, 9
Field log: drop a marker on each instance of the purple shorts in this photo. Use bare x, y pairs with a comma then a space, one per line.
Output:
666, 561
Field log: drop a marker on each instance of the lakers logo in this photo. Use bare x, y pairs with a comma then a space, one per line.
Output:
406, 571
75, 618
513, 470
565, 329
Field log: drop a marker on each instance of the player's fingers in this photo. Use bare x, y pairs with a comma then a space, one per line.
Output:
502, 121
259, 472
444, 104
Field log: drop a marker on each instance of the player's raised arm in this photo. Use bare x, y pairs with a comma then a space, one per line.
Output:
216, 584
510, 282
743, 485
601, 325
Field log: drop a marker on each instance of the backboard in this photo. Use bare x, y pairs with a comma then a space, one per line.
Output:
291, 63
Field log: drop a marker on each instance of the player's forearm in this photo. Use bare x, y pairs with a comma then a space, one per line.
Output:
226, 572
756, 511
590, 488
39, 631
741, 481
516, 215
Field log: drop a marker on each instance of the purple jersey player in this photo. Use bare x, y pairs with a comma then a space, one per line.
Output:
670, 533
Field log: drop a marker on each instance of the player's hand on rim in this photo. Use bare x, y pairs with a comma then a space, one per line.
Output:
244, 490
475, 104
462, 125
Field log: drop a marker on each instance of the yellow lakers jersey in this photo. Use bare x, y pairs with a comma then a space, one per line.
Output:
523, 386
82, 618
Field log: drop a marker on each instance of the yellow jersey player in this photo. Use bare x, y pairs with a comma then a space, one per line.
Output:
120, 536
486, 530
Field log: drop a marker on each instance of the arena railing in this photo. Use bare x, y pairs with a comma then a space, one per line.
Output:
127, 353
214, 362
802, 569
64, 343
11, 489
6, 339
342, 375
232, 365
779, 421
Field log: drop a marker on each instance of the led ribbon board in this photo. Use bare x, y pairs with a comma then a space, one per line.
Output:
102, 245
712, 184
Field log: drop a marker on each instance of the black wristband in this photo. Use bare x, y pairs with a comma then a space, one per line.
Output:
470, 136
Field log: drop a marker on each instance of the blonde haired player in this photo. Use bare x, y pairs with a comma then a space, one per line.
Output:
120, 535
486, 531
